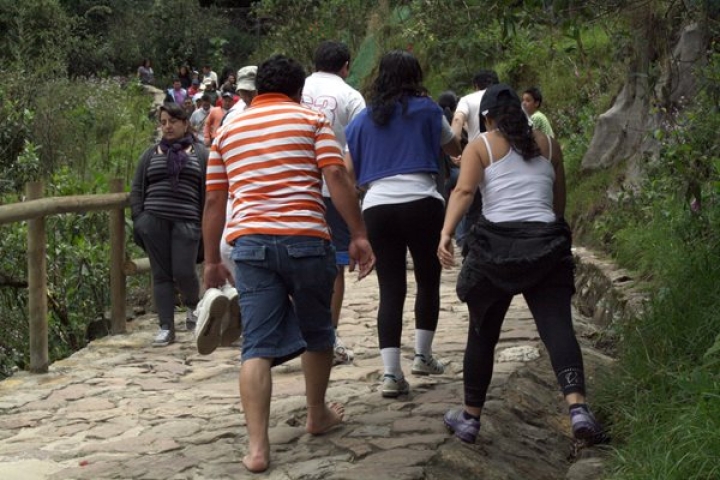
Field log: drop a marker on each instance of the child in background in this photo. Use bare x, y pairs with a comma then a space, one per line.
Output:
531, 102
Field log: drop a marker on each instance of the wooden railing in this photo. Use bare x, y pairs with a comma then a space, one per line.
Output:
34, 210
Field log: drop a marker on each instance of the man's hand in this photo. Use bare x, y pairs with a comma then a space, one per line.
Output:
361, 254
215, 275
458, 122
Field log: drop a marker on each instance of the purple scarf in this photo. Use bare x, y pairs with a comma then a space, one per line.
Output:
176, 157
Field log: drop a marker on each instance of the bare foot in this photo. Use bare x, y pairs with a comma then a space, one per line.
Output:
322, 418
256, 463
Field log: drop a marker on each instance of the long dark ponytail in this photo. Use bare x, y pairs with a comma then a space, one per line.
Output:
513, 124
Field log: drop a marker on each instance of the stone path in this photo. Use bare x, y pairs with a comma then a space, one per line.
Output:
120, 409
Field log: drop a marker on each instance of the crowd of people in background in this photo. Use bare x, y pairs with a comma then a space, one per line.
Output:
283, 180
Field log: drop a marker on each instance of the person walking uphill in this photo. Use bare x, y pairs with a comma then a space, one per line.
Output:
520, 244
166, 201
326, 91
393, 147
271, 158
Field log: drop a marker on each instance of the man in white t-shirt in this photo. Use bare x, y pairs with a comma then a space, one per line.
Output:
207, 72
326, 91
199, 116
467, 113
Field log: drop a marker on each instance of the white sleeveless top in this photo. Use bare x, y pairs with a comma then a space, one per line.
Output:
518, 190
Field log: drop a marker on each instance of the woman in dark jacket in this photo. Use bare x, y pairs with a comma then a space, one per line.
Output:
167, 199
520, 244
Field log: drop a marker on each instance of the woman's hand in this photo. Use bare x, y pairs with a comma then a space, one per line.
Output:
445, 251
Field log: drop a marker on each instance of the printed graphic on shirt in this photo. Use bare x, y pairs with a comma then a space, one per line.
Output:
324, 104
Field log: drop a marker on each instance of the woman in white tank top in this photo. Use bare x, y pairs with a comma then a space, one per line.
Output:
521, 244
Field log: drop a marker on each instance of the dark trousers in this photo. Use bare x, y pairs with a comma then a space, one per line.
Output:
172, 247
550, 307
392, 231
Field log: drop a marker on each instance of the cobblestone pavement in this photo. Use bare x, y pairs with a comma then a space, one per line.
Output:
120, 409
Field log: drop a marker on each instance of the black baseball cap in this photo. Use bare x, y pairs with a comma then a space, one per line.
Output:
498, 95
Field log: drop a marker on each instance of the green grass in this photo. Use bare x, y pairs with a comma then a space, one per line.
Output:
663, 397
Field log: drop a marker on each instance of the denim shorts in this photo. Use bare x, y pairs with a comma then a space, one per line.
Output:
339, 232
285, 285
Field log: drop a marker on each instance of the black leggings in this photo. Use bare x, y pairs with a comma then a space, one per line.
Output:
550, 307
392, 230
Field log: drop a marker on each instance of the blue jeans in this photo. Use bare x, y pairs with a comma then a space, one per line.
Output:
340, 235
285, 284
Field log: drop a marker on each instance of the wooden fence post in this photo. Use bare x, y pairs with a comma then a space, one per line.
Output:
37, 286
118, 294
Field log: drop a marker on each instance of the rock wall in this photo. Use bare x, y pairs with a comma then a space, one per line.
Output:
606, 295
622, 134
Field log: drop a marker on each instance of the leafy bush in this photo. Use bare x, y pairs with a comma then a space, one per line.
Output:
78, 135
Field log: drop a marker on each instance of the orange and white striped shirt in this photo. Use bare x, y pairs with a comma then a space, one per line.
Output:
269, 158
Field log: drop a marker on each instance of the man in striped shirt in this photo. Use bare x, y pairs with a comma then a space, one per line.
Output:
271, 159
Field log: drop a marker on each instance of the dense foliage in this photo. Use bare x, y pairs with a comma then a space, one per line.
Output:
74, 135
72, 114
77, 136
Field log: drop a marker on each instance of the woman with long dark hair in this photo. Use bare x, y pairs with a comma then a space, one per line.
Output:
393, 147
520, 244
185, 76
167, 200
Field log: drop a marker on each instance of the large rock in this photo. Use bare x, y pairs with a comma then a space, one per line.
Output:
622, 134
619, 132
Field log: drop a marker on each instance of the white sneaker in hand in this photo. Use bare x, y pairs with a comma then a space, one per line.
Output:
210, 312
231, 324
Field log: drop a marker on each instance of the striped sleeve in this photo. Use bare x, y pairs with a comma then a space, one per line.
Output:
216, 177
270, 158
327, 148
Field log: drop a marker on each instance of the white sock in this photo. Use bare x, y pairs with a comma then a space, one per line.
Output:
423, 342
391, 362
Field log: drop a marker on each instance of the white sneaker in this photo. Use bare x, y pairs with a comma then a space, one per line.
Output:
343, 355
231, 324
427, 366
393, 387
211, 310
163, 338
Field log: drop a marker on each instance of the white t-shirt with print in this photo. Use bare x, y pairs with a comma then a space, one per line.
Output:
328, 93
